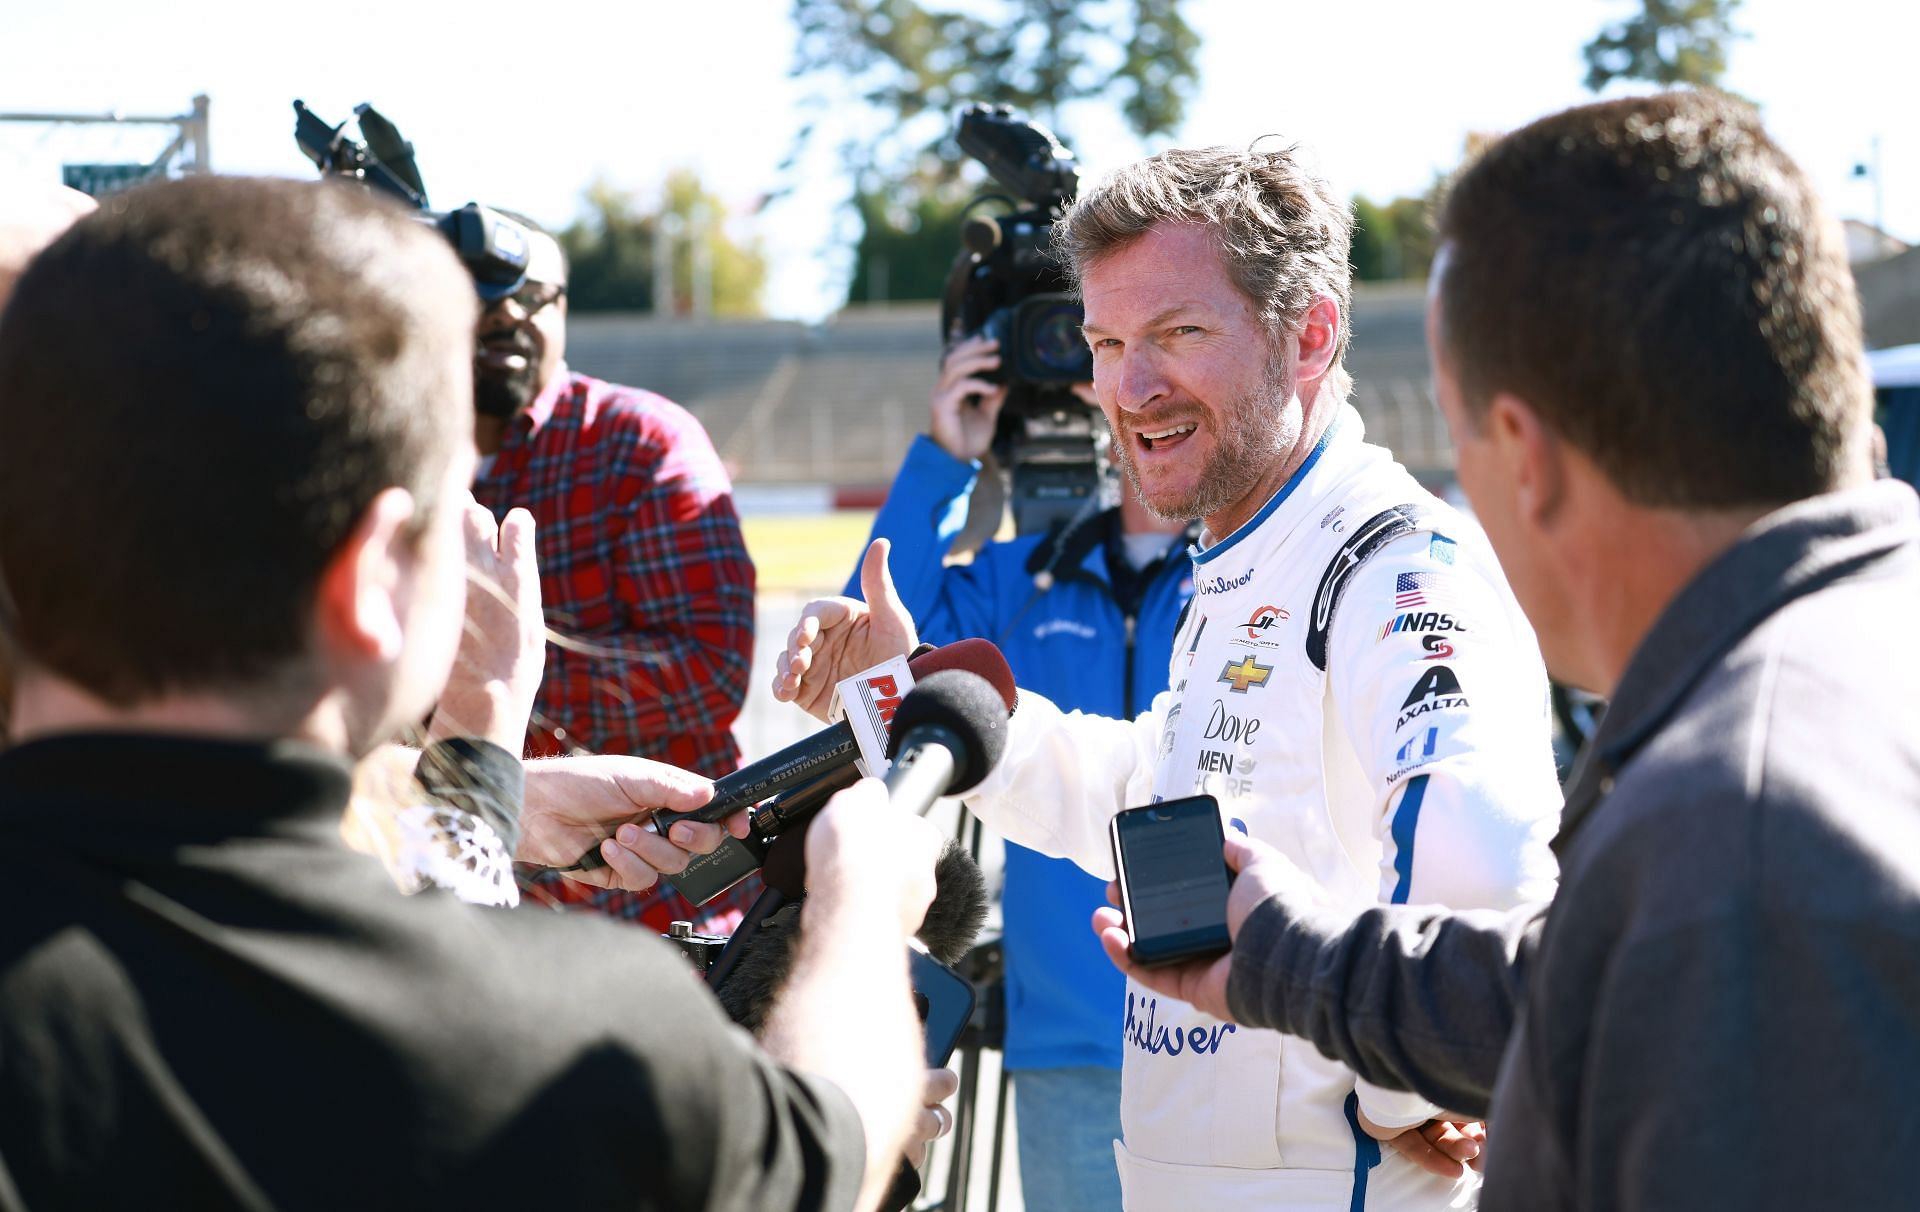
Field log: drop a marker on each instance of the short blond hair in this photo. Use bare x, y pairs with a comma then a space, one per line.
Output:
1282, 232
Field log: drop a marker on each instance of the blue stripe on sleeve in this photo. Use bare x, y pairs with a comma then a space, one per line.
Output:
1406, 818
1366, 1154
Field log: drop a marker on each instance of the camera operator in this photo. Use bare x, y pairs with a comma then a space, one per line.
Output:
1673, 460
645, 576
234, 451
1353, 683
1085, 614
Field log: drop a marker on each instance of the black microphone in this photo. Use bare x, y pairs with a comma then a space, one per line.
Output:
758, 957
947, 735
832, 749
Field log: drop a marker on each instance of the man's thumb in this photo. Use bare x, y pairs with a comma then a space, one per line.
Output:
1240, 851
876, 579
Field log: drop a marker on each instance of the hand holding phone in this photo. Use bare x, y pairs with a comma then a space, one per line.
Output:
1173, 879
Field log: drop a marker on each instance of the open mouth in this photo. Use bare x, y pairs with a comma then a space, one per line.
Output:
1172, 435
503, 357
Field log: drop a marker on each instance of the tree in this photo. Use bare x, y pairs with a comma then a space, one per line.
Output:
611, 251
1668, 42
1394, 240
914, 65
906, 248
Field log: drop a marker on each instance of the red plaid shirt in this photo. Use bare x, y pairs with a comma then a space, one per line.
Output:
644, 573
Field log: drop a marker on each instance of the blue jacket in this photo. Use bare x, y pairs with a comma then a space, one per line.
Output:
1073, 643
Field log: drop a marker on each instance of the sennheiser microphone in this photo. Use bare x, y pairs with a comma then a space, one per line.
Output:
947, 735
827, 751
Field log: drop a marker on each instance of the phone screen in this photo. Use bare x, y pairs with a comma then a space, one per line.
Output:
1173, 878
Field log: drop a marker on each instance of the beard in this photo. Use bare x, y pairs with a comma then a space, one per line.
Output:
503, 395
1252, 433
497, 391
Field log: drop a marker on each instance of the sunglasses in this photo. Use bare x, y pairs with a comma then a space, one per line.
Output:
535, 297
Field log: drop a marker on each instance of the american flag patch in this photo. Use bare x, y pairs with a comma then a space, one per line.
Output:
1410, 589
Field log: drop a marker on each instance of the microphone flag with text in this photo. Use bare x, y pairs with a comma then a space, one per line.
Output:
805, 774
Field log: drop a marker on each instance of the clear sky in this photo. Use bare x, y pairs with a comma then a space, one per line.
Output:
524, 104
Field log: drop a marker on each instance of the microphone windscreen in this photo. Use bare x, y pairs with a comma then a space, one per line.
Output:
976, 656
750, 988
959, 907
966, 705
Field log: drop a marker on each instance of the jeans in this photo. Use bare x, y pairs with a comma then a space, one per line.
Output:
1068, 1120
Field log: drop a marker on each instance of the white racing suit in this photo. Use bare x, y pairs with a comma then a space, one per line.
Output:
1356, 686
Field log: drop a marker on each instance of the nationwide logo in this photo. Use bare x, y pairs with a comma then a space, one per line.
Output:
1202, 588
1438, 649
1423, 746
1437, 690
1419, 620
1245, 673
1261, 622
1413, 755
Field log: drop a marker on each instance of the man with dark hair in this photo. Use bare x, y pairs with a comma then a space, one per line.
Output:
1353, 681
234, 457
31, 214
644, 573
1672, 460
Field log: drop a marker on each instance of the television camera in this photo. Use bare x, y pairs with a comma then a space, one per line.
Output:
493, 247
1006, 283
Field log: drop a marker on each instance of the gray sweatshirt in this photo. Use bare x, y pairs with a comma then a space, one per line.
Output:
1721, 1006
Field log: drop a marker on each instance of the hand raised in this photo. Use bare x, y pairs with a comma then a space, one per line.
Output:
502, 654
838, 637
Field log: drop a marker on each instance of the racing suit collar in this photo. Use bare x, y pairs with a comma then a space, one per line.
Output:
1345, 428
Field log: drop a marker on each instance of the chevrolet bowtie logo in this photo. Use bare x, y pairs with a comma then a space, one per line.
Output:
1247, 673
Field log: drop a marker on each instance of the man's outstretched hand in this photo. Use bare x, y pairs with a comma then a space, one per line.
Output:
577, 803
838, 637
1260, 872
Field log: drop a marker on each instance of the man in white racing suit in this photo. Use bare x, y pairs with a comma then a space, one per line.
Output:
1353, 682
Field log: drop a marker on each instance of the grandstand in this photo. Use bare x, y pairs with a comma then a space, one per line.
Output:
836, 403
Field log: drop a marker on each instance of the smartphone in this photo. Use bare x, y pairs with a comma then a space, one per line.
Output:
944, 1000
1173, 879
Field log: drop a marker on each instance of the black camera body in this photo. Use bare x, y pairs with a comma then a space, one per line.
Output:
493, 247
1008, 284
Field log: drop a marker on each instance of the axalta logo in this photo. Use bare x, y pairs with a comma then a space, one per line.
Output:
1203, 587
1263, 619
1419, 620
1437, 690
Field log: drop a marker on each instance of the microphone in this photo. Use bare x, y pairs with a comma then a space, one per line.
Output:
947, 735
758, 957
831, 750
